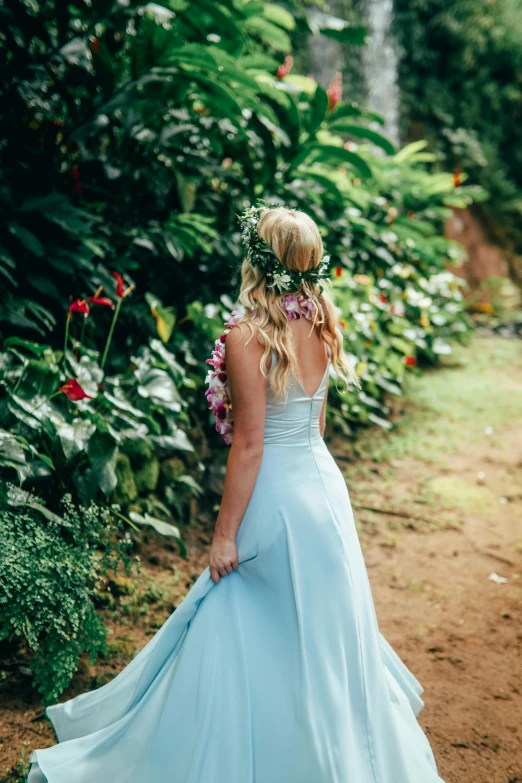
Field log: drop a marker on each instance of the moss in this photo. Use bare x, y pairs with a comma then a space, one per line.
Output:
172, 469
101, 679
455, 492
139, 452
121, 648
121, 585
156, 620
147, 476
126, 490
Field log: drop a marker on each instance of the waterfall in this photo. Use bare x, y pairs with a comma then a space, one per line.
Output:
381, 61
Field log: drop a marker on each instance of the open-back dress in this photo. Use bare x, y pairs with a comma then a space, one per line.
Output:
277, 673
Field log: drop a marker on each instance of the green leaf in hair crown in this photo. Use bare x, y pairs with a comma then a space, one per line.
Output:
261, 256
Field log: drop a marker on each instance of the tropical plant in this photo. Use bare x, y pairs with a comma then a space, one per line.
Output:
96, 435
160, 189
460, 78
132, 136
50, 569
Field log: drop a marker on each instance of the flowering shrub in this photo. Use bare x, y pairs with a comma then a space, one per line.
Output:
81, 431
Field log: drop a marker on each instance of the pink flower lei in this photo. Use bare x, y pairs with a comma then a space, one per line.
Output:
217, 394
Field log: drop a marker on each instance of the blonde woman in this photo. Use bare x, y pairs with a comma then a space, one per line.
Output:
273, 669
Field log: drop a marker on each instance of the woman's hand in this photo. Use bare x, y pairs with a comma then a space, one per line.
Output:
223, 557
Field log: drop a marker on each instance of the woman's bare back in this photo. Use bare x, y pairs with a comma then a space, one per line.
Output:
310, 351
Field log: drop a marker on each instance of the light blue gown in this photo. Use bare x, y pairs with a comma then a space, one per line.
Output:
278, 673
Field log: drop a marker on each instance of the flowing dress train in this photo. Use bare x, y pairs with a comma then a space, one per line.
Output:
276, 674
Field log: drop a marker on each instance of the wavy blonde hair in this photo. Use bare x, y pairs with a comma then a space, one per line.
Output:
295, 239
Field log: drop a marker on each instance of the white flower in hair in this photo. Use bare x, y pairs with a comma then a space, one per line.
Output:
280, 280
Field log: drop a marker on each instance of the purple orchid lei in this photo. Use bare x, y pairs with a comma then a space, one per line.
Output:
218, 396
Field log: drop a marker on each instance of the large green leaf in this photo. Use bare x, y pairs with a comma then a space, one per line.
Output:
75, 436
165, 316
270, 34
29, 240
17, 342
317, 112
410, 150
161, 527
360, 132
326, 183
176, 370
347, 109
19, 498
103, 453
280, 16
177, 441
330, 154
14, 455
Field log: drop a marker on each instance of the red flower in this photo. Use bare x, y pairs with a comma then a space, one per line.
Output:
120, 284
80, 306
335, 91
77, 185
102, 300
457, 178
74, 391
95, 44
285, 68
338, 271
383, 298
410, 361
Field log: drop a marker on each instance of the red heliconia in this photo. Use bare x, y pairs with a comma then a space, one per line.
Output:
410, 361
383, 298
338, 271
335, 91
285, 68
102, 300
120, 284
74, 391
457, 178
80, 306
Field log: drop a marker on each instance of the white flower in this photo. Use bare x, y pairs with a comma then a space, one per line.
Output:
280, 280
159, 13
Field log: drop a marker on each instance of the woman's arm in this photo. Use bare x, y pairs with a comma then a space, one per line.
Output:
248, 394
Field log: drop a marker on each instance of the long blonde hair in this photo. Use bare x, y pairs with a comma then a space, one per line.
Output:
295, 239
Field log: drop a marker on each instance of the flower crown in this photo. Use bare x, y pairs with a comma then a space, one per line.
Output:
260, 255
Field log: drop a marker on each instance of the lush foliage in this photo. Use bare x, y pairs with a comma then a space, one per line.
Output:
460, 80
132, 137
135, 134
400, 307
102, 437
50, 569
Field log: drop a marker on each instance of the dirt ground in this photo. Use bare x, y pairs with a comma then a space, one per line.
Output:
438, 503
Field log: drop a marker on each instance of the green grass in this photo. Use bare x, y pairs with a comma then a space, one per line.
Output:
448, 409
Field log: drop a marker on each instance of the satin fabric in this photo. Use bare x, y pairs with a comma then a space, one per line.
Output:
278, 673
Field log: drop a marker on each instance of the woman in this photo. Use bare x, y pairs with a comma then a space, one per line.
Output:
272, 670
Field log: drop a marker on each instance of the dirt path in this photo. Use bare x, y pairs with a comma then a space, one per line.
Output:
454, 465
